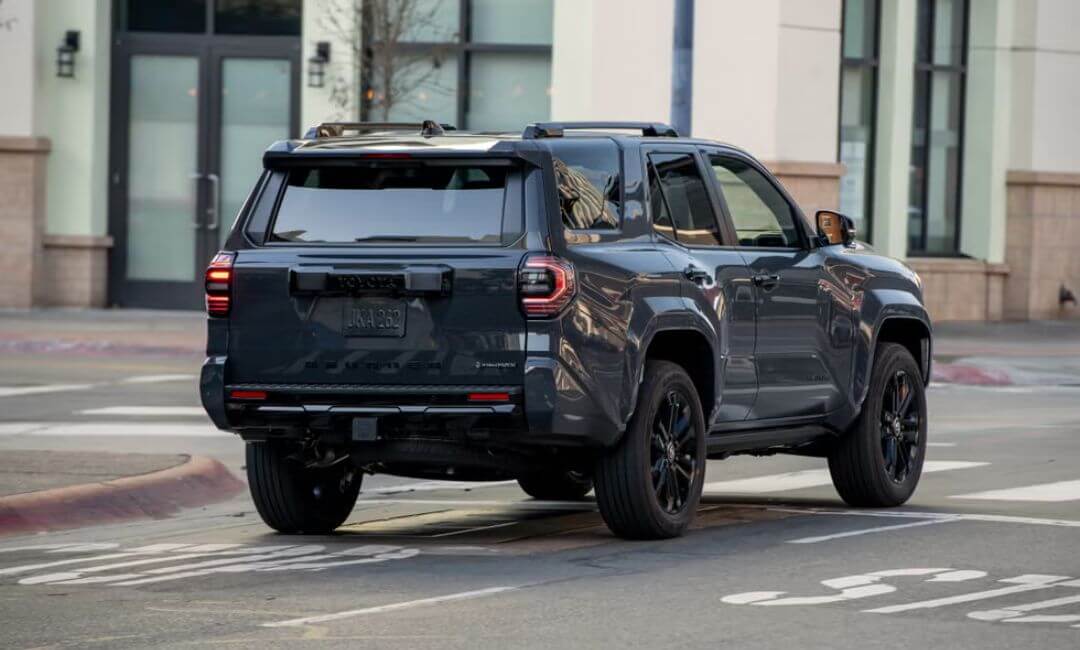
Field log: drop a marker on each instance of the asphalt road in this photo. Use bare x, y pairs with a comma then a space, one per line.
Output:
979, 558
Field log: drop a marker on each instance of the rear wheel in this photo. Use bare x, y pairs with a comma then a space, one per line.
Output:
879, 462
556, 485
648, 487
293, 498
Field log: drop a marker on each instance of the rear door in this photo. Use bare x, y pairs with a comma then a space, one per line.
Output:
399, 272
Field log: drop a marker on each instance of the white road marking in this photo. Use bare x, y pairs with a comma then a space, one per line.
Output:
157, 379
997, 519
1014, 611
574, 506
96, 429
941, 444
814, 478
854, 587
157, 411
326, 618
868, 531
1046, 492
16, 391
1024, 583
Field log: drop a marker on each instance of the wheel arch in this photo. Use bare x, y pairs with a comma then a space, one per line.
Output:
692, 350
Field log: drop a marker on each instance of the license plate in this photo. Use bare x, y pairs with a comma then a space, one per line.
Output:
375, 317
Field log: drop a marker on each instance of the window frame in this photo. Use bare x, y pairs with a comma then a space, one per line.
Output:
460, 49
800, 219
722, 225
928, 67
873, 64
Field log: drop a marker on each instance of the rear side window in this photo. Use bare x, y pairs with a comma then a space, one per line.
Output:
679, 200
398, 203
588, 176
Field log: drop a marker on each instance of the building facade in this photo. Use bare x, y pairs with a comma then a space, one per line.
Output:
131, 130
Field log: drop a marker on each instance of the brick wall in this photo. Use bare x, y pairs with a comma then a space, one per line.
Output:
1042, 244
75, 272
22, 218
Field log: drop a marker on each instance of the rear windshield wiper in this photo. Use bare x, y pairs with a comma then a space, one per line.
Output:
386, 238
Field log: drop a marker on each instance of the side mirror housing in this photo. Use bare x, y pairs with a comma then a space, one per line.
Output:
835, 228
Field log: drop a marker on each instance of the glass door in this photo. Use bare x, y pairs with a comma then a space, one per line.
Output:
191, 122
255, 108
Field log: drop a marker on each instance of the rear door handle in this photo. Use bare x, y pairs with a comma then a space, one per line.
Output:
766, 280
696, 274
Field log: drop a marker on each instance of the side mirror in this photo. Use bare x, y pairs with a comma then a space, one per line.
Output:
835, 228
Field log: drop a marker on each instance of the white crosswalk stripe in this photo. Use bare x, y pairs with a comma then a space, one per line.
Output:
1045, 492
813, 478
148, 411
125, 428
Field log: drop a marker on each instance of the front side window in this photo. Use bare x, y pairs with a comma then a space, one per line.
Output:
400, 204
587, 174
762, 216
680, 201
937, 133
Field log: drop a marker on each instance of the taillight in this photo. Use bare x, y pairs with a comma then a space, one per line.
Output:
546, 285
219, 284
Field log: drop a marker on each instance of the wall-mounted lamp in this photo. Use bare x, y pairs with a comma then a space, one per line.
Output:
65, 54
316, 72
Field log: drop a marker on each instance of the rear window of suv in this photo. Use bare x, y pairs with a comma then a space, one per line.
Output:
393, 203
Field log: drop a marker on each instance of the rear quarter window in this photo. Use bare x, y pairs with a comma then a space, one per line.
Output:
406, 203
588, 175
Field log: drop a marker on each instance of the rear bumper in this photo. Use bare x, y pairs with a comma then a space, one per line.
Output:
536, 413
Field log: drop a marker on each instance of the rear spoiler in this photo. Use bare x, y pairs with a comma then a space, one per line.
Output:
293, 153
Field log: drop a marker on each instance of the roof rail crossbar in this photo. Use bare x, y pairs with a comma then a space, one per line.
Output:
556, 129
426, 128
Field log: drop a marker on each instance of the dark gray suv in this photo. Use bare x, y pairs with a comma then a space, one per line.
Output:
579, 306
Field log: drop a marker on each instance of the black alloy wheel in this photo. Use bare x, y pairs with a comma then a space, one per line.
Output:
900, 441
672, 454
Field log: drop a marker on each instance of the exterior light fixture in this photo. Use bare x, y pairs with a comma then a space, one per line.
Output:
317, 65
65, 55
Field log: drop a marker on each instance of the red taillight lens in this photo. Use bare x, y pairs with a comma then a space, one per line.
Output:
248, 394
219, 284
546, 285
489, 397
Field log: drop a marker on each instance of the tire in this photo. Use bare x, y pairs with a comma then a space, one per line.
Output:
556, 485
879, 461
292, 498
630, 479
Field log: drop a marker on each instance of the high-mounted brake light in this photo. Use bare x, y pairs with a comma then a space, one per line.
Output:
546, 285
219, 284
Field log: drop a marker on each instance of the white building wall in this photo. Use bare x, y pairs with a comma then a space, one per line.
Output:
807, 123
1055, 96
17, 74
74, 114
611, 60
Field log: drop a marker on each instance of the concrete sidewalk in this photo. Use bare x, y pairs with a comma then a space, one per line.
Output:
90, 331
43, 491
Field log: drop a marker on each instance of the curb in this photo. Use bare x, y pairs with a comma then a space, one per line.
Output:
156, 495
969, 375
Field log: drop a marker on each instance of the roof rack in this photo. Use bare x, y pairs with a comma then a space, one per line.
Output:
556, 129
427, 128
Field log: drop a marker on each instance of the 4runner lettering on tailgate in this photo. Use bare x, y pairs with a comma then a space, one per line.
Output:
605, 309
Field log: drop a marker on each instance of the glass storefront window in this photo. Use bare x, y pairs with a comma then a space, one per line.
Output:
423, 86
426, 21
265, 17
517, 21
858, 103
187, 16
493, 74
507, 90
937, 128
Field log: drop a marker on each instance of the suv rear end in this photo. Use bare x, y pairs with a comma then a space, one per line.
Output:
374, 301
